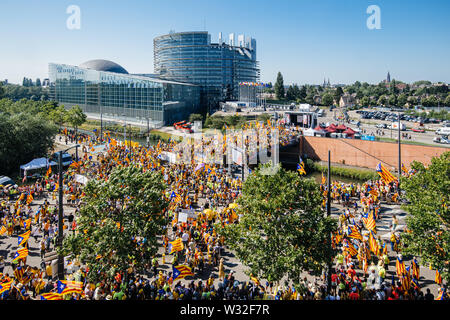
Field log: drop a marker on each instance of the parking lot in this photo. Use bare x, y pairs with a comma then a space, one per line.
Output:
378, 123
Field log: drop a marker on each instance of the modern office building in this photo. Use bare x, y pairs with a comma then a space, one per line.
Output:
217, 68
106, 88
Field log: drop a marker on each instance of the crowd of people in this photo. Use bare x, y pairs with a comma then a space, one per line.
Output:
208, 193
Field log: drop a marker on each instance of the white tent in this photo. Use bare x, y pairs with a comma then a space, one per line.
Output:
38, 164
309, 132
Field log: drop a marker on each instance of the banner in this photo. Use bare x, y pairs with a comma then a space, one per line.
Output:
81, 179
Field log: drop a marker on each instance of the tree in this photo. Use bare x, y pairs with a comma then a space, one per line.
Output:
428, 222
290, 94
118, 225
282, 230
195, 117
447, 101
392, 100
75, 117
338, 93
279, 87
302, 94
58, 115
402, 99
365, 101
23, 137
2, 90
327, 99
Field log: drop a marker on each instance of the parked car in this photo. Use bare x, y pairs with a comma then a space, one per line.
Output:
381, 126
4, 181
66, 158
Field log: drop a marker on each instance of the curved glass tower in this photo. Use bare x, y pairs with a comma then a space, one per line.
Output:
217, 68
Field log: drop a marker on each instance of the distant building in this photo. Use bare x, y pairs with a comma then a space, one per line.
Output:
104, 87
347, 100
4, 82
388, 78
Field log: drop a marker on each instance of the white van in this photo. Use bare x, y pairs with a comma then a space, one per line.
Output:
443, 131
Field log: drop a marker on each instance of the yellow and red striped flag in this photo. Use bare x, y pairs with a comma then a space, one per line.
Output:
385, 174
400, 267
23, 238
438, 278
181, 271
51, 296
68, 287
20, 254
5, 286
176, 245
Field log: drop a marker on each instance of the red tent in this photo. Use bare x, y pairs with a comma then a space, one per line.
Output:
350, 132
341, 127
318, 128
332, 126
330, 129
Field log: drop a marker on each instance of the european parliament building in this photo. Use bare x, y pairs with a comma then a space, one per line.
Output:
217, 68
192, 75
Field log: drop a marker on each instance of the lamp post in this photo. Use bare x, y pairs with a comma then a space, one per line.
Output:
60, 213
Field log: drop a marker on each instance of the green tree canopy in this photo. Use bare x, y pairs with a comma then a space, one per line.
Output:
279, 87
75, 117
119, 222
428, 222
283, 230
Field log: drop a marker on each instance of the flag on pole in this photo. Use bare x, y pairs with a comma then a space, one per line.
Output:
181, 271
438, 278
353, 232
323, 179
301, 167
49, 172
23, 238
3, 230
385, 174
20, 254
369, 222
176, 245
415, 269
66, 287
400, 266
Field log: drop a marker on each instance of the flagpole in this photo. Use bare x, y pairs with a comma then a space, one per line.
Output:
399, 150
328, 214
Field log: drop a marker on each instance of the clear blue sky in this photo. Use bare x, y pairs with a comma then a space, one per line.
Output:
306, 40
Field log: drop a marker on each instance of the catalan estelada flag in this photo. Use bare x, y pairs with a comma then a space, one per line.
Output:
400, 267
347, 246
49, 172
5, 286
369, 222
353, 232
68, 287
324, 180
301, 167
255, 280
3, 230
405, 171
51, 296
18, 273
29, 199
27, 223
175, 246
373, 243
385, 174
23, 238
20, 254
181, 271
415, 269
438, 277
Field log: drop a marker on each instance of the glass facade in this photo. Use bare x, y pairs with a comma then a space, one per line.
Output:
122, 95
218, 68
